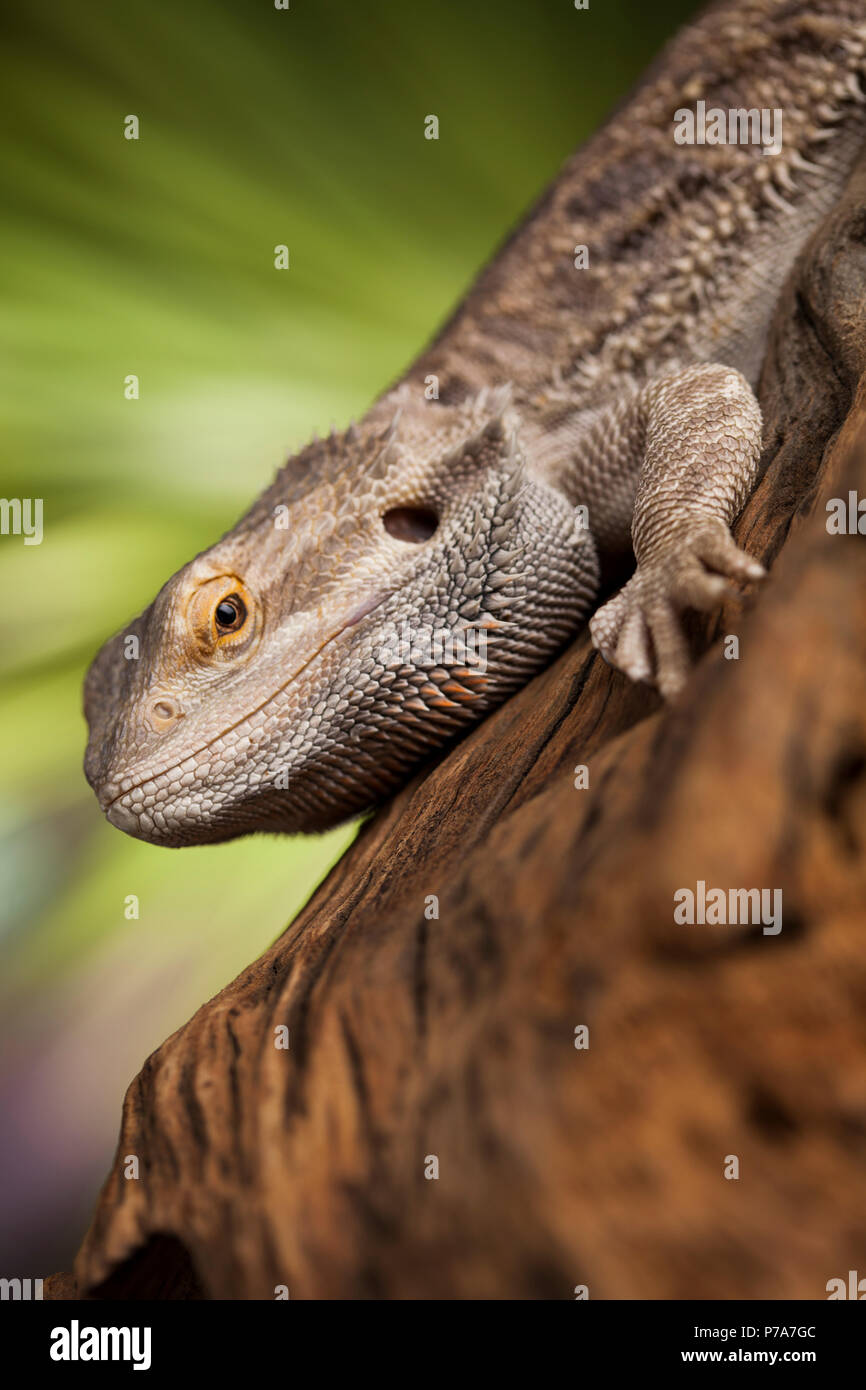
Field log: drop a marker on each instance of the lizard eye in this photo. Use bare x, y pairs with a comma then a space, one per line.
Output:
230, 614
223, 617
412, 524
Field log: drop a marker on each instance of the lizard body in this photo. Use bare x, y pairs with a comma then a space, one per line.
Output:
272, 690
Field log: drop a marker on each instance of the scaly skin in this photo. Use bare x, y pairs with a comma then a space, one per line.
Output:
267, 691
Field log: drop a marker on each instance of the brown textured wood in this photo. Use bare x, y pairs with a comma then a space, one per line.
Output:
454, 1037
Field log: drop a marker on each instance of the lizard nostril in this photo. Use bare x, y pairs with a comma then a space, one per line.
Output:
164, 712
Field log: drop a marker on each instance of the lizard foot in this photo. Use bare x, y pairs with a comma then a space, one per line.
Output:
639, 629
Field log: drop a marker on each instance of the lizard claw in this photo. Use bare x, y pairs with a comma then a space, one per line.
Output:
639, 629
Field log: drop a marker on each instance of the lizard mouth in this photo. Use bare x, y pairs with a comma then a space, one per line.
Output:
125, 818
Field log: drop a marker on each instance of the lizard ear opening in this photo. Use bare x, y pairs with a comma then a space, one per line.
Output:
412, 524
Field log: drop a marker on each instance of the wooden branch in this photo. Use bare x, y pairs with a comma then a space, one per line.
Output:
453, 1037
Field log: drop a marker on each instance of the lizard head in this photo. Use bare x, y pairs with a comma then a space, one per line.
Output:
393, 584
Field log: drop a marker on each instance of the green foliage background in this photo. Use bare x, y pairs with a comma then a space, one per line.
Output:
155, 257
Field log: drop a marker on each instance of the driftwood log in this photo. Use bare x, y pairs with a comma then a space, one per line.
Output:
453, 1037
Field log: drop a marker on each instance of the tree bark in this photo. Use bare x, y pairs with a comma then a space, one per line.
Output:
453, 1037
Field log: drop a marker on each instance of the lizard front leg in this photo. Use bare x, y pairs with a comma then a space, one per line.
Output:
690, 440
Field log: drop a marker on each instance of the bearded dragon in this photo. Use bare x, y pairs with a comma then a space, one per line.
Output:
578, 403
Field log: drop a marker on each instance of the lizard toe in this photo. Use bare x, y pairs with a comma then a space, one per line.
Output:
672, 659
697, 587
606, 623
634, 653
716, 547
